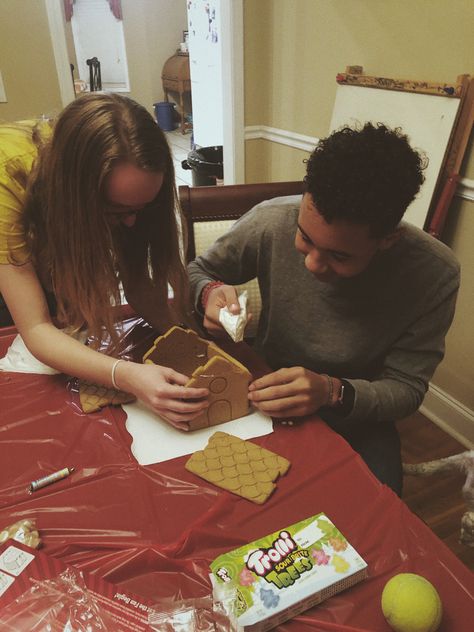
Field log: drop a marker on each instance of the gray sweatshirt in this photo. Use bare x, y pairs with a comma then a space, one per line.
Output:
382, 330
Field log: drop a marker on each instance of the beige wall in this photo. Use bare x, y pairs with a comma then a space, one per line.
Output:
27, 62
295, 48
455, 375
152, 30
272, 162
293, 51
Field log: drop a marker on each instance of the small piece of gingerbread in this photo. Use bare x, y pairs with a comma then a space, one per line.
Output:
94, 397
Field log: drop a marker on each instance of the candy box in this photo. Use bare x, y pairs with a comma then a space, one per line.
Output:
276, 577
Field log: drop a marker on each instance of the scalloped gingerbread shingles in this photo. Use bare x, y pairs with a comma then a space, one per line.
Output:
241, 467
94, 397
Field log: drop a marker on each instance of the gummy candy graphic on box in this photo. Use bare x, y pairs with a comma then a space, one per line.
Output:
269, 599
278, 576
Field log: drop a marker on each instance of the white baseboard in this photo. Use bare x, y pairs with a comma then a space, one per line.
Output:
450, 415
281, 136
466, 189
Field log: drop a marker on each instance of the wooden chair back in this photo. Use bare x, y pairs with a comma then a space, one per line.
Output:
226, 202
211, 210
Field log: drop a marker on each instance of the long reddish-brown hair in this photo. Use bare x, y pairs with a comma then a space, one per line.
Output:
77, 251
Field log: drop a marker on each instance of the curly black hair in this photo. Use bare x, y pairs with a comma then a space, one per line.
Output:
365, 176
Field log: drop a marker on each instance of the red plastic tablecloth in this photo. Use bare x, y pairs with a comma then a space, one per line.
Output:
155, 529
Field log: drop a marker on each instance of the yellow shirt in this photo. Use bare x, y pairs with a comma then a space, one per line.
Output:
17, 151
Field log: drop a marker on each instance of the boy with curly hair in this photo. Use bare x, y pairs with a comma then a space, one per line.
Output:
355, 302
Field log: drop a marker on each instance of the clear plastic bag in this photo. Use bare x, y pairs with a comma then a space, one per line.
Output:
234, 324
62, 604
191, 615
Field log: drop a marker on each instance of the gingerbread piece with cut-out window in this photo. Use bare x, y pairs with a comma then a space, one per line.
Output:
207, 366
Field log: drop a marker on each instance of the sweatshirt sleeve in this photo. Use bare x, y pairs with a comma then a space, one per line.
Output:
399, 389
231, 259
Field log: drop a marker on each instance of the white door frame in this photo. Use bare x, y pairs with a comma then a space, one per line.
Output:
58, 40
233, 79
232, 33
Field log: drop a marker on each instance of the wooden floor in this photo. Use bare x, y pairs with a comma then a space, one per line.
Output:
436, 499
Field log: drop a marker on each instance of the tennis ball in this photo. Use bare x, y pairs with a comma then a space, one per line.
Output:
410, 603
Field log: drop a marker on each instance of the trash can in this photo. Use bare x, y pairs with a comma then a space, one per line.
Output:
207, 164
165, 115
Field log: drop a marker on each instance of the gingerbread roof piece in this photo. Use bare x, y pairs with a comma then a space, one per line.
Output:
207, 366
241, 467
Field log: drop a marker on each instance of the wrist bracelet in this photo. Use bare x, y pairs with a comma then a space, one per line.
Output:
112, 375
330, 387
207, 290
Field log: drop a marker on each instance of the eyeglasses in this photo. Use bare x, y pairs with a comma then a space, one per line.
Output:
122, 212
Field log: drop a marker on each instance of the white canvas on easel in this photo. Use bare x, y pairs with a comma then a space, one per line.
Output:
427, 119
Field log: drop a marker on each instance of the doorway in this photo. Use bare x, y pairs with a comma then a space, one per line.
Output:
233, 69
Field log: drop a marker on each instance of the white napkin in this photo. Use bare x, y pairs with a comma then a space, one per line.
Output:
234, 324
19, 359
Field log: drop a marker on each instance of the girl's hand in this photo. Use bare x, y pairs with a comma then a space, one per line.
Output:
289, 392
163, 391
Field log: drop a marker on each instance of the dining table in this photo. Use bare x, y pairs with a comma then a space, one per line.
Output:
154, 529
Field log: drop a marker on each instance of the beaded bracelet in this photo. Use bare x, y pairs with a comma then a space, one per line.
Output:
207, 290
331, 388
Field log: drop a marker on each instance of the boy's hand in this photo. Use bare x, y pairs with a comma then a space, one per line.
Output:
219, 297
293, 392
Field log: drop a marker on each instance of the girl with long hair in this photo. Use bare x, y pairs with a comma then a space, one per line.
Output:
88, 208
